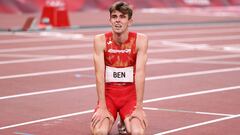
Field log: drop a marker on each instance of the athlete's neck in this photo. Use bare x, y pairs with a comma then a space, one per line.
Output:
120, 38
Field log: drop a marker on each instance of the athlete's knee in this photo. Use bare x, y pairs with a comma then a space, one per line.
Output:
100, 131
137, 131
136, 127
102, 128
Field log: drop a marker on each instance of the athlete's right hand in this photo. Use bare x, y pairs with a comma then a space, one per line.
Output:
99, 116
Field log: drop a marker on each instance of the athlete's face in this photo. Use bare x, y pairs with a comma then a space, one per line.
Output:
119, 21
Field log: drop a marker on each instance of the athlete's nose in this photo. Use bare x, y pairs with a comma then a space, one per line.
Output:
118, 19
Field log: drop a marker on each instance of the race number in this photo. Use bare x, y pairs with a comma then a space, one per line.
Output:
119, 74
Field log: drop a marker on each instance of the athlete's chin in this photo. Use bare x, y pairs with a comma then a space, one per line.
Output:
117, 31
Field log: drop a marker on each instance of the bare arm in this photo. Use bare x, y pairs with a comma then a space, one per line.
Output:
99, 65
142, 45
98, 56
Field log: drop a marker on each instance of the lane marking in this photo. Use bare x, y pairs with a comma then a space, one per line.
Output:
181, 60
186, 111
145, 27
47, 119
217, 62
208, 38
44, 59
183, 47
26, 40
191, 32
25, 55
198, 124
87, 56
92, 68
194, 73
232, 48
49, 91
193, 94
46, 73
51, 47
193, 39
90, 38
147, 79
20, 133
145, 101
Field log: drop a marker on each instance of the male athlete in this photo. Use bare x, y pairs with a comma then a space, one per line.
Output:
119, 58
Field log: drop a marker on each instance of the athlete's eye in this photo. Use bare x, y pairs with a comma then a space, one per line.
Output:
114, 16
123, 16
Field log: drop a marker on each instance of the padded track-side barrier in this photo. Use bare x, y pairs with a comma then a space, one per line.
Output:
16, 6
55, 13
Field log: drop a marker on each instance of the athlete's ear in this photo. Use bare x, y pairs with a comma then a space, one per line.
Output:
110, 21
130, 22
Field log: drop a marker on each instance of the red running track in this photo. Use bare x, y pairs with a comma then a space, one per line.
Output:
192, 84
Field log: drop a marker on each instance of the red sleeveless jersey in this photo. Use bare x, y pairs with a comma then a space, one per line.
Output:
121, 56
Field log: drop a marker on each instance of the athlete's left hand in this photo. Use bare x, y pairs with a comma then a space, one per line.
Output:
99, 116
140, 114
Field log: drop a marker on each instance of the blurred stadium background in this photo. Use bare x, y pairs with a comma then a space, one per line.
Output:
16, 12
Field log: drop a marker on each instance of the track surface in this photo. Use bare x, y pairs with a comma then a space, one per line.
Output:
192, 85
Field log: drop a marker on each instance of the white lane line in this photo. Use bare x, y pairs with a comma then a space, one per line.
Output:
49, 91
192, 32
72, 46
194, 39
194, 73
208, 38
184, 47
203, 47
47, 119
25, 55
217, 62
46, 73
89, 38
186, 111
232, 48
26, 40
151, 51
145, 101
51, 47
181, 60
147, 79
198, 124
91, 68
44, 59
164, 27
63, 57
193, 94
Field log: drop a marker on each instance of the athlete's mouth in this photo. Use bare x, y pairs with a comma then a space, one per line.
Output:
118, 26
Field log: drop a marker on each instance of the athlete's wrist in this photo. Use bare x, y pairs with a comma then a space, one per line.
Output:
102, 106
139, 106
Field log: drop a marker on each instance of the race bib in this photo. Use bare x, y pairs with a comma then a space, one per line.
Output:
119, 74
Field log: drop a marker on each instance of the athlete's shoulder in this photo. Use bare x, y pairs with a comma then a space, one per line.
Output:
142, 36
142, 41
99, 41
99, 37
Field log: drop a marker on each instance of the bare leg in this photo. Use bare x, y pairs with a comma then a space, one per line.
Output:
134, 126
102, 128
